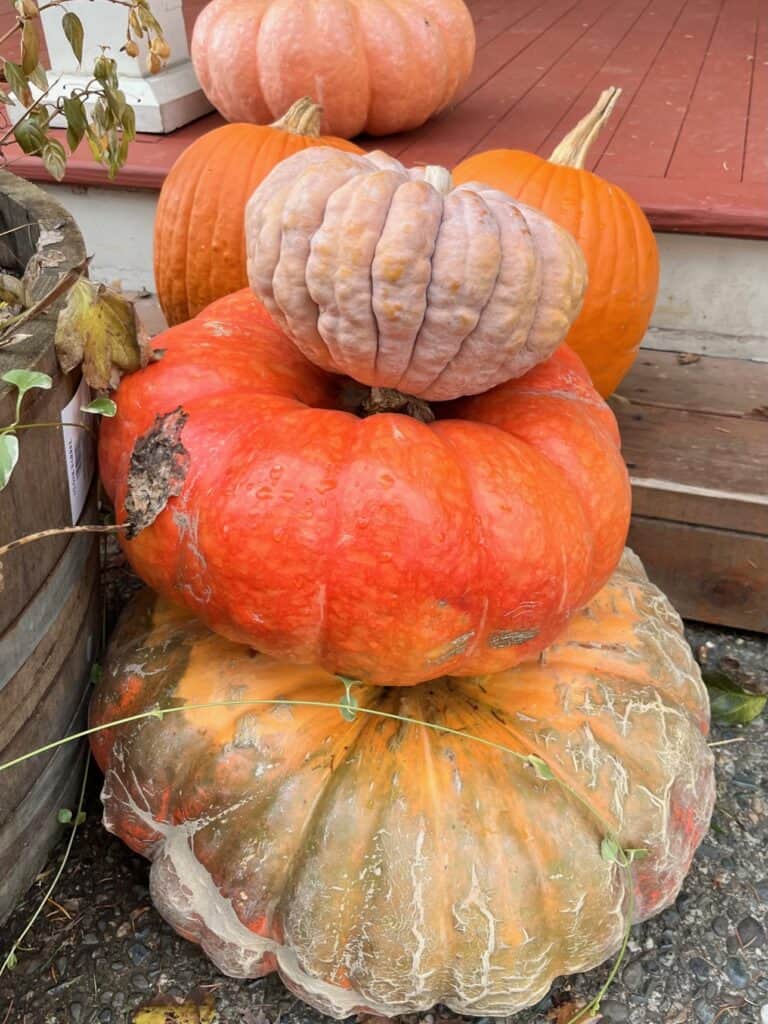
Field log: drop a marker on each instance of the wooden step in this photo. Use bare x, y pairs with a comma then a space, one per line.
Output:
695, 438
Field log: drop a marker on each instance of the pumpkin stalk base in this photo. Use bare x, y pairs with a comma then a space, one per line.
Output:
391, 400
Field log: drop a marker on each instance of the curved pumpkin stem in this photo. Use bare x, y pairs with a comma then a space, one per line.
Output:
572, 151
439, 178
302, 118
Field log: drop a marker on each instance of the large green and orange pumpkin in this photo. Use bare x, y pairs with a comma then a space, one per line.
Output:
380, 546
382, 866
611, 229
199, 246
400, 280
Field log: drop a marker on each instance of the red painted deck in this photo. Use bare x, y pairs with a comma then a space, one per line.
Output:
689, 137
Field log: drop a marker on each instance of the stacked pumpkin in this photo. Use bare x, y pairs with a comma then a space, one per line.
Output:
410, 709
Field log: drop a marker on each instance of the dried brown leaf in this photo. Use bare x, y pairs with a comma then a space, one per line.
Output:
159, 466
684, 358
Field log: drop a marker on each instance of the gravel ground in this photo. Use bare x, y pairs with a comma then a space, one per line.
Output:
100, 952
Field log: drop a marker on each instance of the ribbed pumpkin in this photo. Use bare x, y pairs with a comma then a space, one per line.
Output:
385, 867
382, 547
612, 230
377, 66
199, 233
399, 280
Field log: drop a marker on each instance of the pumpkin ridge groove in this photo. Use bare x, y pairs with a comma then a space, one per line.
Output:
426, 298
491, 296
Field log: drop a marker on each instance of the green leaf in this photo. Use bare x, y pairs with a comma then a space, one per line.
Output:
81, 817
17, 80
542, 769
129, 124
25, 380
64, 817
29, 137
9, 456
54, 159
610, 850
77, 122
730, 705
39, 77
73, 30
100, 407
11, 961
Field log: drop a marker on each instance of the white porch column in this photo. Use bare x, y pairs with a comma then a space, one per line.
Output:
162, 102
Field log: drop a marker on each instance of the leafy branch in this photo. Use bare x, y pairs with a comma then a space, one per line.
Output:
30, 380
98, 112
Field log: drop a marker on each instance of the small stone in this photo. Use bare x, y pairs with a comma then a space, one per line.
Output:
764, 1014
105, 1017
61, 964
700, 968
614, 1011
75, 1012
91, 939
140, 982
139, 954
737, 972
702, 1011
732, 944
751, 932
633, 976
720, 926
761, 888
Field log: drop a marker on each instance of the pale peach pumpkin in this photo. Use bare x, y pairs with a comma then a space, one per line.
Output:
400, 281
382, 866
376, 66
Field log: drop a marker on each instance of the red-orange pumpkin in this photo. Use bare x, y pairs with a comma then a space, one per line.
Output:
199, 226
612, 230
376, 66
384, 548
383, 866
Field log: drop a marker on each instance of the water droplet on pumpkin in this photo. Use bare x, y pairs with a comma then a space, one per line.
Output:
276, 472
264, 492
386, 479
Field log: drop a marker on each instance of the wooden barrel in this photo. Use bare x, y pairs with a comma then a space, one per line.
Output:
49, 602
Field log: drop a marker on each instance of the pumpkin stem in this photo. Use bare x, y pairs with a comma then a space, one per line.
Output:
572, 151
390, 400
303, 118
439, 178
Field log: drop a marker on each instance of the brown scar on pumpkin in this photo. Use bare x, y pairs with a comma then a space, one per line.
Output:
452, 649
511, 637
159, 467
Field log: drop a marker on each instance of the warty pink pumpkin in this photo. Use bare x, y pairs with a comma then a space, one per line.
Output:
401, 281
376, 66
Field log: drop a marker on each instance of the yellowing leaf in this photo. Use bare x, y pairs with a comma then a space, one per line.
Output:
188, 1013
97, 328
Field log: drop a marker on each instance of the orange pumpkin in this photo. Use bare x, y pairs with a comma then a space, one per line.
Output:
199, 232
379, 546
382, 866
612, 230
376, 66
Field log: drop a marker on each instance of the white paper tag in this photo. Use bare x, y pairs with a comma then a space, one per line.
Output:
78, 450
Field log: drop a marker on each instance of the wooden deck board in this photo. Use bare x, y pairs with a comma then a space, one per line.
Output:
689, 137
